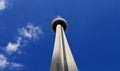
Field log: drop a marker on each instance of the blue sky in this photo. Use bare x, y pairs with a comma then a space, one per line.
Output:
26, 38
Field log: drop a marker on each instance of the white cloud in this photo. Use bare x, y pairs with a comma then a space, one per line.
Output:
16, 65
3, 4
25, 33
30, 31
3, 61
13, 47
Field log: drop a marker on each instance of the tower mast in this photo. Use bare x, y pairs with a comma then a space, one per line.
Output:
62, 59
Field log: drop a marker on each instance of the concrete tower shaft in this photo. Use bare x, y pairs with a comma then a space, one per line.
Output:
62, 59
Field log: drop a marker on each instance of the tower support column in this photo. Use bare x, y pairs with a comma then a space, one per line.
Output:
62, 59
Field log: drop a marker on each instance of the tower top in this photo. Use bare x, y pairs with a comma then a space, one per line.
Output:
57, 21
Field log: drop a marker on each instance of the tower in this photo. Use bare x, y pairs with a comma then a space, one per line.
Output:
62, 59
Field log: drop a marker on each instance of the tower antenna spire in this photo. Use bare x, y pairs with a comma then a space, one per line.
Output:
58, 15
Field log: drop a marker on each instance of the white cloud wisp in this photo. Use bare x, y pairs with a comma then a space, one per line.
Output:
30, 31
3, 4
25, 34
13, 47
4, 63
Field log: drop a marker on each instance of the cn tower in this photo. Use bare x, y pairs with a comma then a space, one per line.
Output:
62, 59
